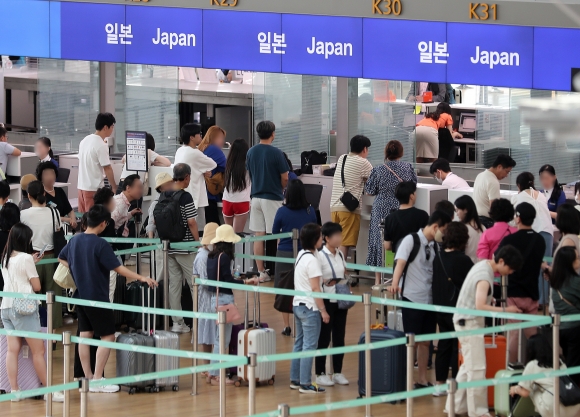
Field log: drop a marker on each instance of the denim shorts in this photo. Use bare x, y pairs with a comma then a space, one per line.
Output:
14, 321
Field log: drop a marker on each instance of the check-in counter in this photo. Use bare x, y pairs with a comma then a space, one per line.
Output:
17, 166
455, 194
326, 183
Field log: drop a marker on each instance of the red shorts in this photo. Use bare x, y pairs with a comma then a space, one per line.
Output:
235, 209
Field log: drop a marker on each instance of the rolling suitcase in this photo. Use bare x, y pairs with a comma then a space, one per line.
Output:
119, 298
256, 339
388, 365
394, 317
27, 378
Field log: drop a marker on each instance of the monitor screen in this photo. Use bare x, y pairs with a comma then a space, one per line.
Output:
467, 123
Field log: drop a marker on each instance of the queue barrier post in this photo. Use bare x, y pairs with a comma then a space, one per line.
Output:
283, 410
451, 394
410, 367
84, 390
166, 283
137, 231
222, 335
195, 337
368, 369
66, 343
49, 330
252, 363
556, 360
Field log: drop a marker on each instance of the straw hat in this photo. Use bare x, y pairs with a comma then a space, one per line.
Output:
209, 233
225, 233
162, 178
25, 180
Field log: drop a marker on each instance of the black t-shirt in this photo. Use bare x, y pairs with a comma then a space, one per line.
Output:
524, 283
449, 272
400, 223
61, 200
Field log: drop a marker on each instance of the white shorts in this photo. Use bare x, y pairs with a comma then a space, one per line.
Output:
262, 213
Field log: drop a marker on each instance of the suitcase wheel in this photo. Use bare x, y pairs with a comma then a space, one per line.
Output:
132, 391
271, 381
238, 383
175, 388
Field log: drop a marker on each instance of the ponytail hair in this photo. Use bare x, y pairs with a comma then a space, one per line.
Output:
36, 192
525, 181
434, 116
46, 142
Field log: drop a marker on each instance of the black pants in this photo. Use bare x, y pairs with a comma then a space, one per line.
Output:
212, 214
570, 343
336, 329
446, 349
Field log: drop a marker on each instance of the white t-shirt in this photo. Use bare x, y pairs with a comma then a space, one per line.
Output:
471, 248
93, 156
199, 164
5, 150
39, 219
543, 220
308, 267
17, 276
239, 196
125, 173
338, 264
454, 182
485, 190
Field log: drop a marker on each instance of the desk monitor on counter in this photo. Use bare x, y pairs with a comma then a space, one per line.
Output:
467, 124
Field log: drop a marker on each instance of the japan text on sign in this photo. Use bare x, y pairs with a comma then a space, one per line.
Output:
427, 54
322, 45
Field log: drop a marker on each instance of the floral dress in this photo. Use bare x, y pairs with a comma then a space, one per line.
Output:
206, 328
382, 183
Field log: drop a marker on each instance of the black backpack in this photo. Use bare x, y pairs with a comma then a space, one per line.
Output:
310, 158
168, 218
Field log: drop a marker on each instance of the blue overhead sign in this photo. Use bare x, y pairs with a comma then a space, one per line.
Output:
322, 45
25, 28
405, 50
553, 69
164, 36
94, 32
490, 55
243, 40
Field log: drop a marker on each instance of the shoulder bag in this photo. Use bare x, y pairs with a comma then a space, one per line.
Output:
569, 391
232, 313
283, 303
347, 198
23, 306
340, 288
58, 239
63, 277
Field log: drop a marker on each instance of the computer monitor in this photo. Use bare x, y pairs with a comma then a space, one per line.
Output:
467, 123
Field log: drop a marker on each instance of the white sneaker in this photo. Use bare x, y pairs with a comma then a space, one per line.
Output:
104, 388
15, 391
180, 328
340, 379
57, 397
324, 381
130, 262
265, 276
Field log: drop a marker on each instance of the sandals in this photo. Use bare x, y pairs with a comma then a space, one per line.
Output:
215, 381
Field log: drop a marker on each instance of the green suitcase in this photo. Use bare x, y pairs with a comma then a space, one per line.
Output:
507, 406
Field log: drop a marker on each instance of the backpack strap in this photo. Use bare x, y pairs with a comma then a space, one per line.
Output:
412, 256
342, 174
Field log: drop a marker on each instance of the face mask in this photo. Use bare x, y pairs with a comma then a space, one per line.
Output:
577, 199
439, 180
439, 236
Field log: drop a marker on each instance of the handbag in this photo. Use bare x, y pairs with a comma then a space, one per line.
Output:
284, 303
347, 198
215, 184
340, 288
232, 313
63, 277
58, 239
24, 306
569, 391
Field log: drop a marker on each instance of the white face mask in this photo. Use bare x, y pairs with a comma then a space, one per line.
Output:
577, 199
439, 179
439, 236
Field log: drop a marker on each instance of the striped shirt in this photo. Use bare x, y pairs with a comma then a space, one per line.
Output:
356, 172
188, 211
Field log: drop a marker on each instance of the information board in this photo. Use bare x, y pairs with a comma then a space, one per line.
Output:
322, 45
136, 156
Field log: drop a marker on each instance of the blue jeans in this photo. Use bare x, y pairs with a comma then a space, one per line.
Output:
543, 285
223, 300
308, 324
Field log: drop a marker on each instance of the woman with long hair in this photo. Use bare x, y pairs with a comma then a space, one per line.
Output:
552, 189
542, 223
236, 199
294, 214
40, 219
20, 276
43, 150
9, 216
382, 182
211, 146
565, 283
220, 259
467, 214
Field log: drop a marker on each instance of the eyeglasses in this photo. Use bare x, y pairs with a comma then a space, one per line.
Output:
427, 252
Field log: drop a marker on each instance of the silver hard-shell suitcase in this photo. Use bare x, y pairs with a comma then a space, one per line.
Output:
131, 363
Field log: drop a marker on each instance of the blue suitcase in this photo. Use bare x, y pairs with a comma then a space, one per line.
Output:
388, 364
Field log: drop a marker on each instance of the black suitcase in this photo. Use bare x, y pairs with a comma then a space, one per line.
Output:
119, 298
388, 365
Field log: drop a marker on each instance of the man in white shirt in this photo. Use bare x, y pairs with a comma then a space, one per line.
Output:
200, 164
441, 170
94, 161
6, 149
486, 186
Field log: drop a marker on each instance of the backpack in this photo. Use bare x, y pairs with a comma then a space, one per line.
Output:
168, 218
310, 158
412, 256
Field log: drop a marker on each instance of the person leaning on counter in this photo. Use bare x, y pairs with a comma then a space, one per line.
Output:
5, 150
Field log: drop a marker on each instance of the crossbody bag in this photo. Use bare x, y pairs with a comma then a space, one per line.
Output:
232, 312
340, 288
347, 198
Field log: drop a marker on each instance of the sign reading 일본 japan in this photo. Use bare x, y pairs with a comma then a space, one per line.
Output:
137, 158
